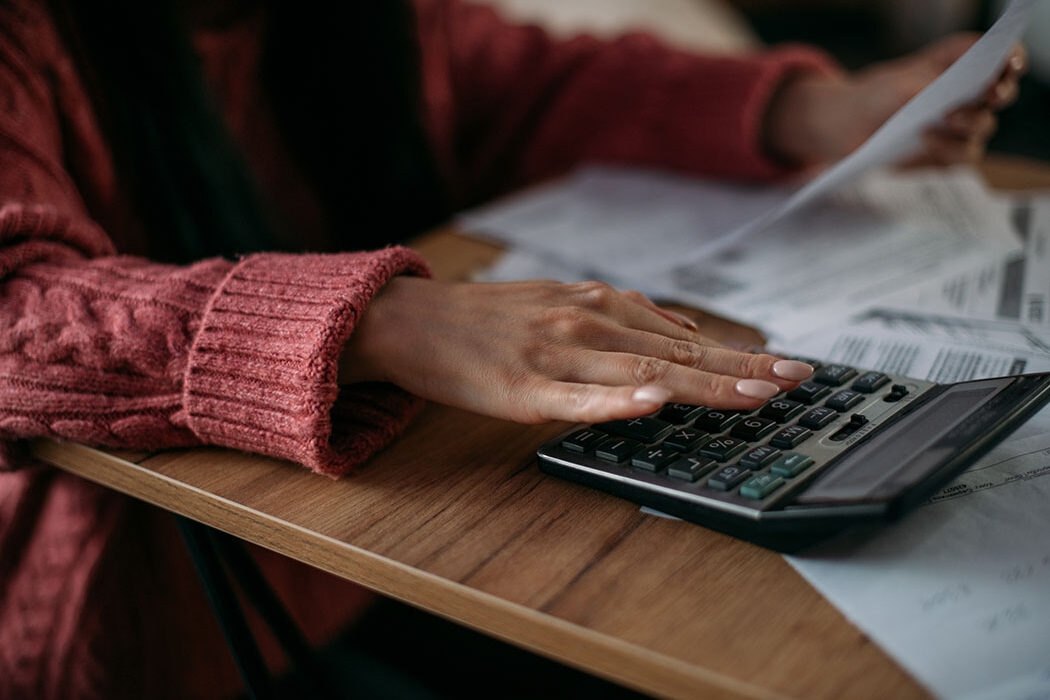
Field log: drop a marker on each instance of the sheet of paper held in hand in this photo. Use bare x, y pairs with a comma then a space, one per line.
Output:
677, 238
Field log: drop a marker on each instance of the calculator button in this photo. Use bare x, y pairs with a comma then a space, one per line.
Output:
844, 400
653, 459
583, 440
644, 429
752, 428
834, 375
761, 485
759, 457
680, 413
617, 449
781, 410
690, 468
791, 464
790, 437
808, 393
715, 420
727, 477
870, 382
685, 439
723, 448
817, 418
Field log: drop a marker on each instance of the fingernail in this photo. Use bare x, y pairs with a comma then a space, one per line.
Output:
792, 370
757, 389
1017, 62
650, 395
685, 321
1003, 92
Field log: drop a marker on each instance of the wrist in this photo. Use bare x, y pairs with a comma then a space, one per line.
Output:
799, 119
363, 355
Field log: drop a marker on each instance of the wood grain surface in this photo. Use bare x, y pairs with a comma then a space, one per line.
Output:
455, 518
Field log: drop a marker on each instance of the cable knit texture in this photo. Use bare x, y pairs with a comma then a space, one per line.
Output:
102, 346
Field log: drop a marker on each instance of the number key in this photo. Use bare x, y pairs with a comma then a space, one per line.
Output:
680, 413
716, 420
752, 428
781, 410
808, 393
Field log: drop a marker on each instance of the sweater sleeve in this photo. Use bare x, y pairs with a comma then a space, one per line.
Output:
511, 105
119, 351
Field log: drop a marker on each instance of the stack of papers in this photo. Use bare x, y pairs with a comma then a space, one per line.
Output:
929, 275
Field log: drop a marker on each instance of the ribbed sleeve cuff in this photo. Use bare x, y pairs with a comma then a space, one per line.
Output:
262, 371
726, 120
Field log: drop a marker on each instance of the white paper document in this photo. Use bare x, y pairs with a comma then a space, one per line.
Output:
1011, 287
963, 82
958, 592
629, 227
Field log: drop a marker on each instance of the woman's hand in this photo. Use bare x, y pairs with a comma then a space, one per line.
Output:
819, 119
540, 351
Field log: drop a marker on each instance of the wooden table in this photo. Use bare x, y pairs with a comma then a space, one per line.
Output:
456, 518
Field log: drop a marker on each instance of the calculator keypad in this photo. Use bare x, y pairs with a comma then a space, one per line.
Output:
746, 459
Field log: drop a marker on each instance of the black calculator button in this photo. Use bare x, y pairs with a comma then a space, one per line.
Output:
727, 477
643, 429
834, 375
723, 448
685, 439
844, 400
690, 468
870, 382
781, 410
761, 485
808, 393
791, 464
617, 449
680, 413
715, 420
759, 457
653, 459
583, 440
790, 436
817, 418
753, 428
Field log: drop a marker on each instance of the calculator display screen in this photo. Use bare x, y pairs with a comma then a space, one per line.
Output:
904, 453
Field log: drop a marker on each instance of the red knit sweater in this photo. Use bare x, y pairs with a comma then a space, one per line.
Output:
96, 346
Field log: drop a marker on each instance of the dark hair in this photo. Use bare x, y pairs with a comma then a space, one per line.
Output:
344, 82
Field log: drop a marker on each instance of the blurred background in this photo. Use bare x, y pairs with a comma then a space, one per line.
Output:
856, 32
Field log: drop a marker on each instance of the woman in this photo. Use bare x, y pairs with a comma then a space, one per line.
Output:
141, 142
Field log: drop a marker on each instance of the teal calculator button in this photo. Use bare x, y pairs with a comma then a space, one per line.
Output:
760, 486
791, 464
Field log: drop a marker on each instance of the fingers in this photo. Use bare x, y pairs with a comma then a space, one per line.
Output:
593, 403
631, 310
1004, 92
647, 303
629, 349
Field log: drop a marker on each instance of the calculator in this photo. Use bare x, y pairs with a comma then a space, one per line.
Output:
847, 447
